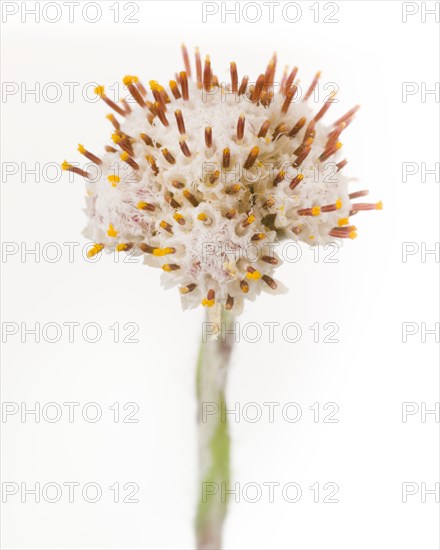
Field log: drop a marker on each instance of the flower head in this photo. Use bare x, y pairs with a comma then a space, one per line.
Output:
205, 178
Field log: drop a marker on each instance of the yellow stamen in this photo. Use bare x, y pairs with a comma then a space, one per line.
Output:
163, 251
316, 210
65, 165
124, 156
95, 249
207, 303
99, 90
338, 204
129, 79
81, 148
254, 275
142, 205
343, 221
352, 234
202, 217
120, 247
379, 205
113, 179
112, 231
177, 216
250, 218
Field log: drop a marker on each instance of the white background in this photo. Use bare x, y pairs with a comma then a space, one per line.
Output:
369, 293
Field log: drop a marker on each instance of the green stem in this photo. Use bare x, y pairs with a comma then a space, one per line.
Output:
213, 437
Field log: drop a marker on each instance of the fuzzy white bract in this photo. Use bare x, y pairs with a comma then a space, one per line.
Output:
205, 180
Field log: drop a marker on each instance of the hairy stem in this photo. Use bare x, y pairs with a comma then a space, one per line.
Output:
213, 437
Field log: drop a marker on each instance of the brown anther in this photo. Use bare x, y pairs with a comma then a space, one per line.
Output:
244, 286
297, 229
231, 214
266, 98
179, 218
146, 206
147, 140
297, 127
258, 237
290, 79
89, 155
300, 158
175, 89
264, 128
347, 115
184, 85
310, 131
269, 281
146, 248
269, 260
184, 147
188, 288
169, 197
296, 181
110, 149
258, 88
152, 162
208, 136
165, 225
214, 176
109, 102
131, 162
207, 75
233, 189
358, 194
279, 177
168, 156
229, 303
280, 130
234, 76
329, 152
190, 197
240, 126
198, 69
247, 222
312, 86
252, 157
226, 157
161, 113
289, 97
150, 106
270, 72
75, 170
211, 294
186, 61
178, 184
180, 122
333, 136
170, 267
303, 145
243, 85
340, 165
325, 107
134, 91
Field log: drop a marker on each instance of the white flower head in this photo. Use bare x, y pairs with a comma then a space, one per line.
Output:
205, 180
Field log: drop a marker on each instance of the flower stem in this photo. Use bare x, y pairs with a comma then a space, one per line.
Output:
213, 437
